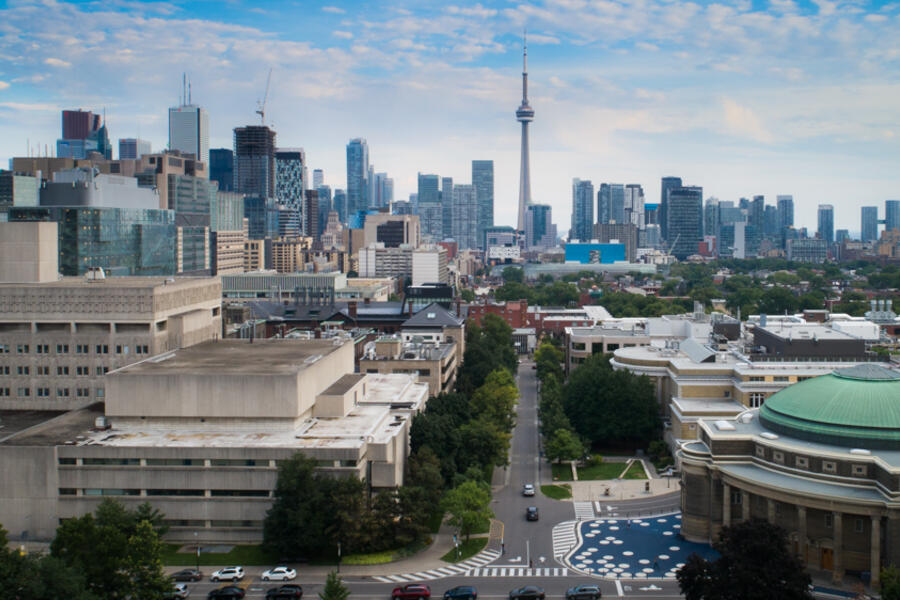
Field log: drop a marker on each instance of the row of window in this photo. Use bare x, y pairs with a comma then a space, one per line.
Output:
179, 492
79, 349
191, 462
213, 523
802, 462
45, 392
737, 498
81, 371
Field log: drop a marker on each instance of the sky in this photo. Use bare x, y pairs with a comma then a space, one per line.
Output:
742, 97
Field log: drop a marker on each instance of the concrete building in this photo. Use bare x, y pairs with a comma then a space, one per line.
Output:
619, 233
132, 148
436, 324
819, 459
429, 265
305, 288
392, 230
289, 255
377, 261
432, 363
189, 131
807, 250
179, 432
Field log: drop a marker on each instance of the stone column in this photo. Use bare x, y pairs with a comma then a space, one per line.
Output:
770, 510
801, 531
876, 550
726, 505
838, 575
745, 505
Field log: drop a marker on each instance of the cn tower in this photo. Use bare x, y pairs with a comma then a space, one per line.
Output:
525, 114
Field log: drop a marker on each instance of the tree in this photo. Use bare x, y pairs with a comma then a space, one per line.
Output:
334, 588
777, 301
755, 564
890, 583
468, 506
562, 445
484, 445
496, 400
293, 526
548, 359
515, 274
467, 295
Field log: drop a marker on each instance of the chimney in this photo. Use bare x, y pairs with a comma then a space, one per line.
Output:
409, 309
351, 306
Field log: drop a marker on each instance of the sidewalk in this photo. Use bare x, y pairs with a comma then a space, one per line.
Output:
619, 489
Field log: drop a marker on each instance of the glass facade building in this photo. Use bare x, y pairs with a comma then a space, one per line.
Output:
684, 215
869, 229
357, 178
483, 180
582, 210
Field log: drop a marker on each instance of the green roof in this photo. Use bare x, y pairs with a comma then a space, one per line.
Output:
858, 406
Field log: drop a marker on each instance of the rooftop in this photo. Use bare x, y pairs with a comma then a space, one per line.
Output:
805, 331
147, 283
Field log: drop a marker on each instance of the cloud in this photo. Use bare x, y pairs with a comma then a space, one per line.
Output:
57, 62
334, 10
472, 11
3, 85
742, 121
346, 35
538, 38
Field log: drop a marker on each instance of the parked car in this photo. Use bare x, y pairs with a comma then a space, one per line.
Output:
279, 574
531, 513
228, 574
461, 592
229, 592
411, 591
529, 592
179, 592
528, 489
187, 575
284, 592
583, 592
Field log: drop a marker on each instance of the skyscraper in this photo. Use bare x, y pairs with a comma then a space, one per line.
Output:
357, 172
711, 217
684, 214
254, 161
891, 214
430, 211
447, 206
483, 180
869, 224
667, 184
383, 189
616, 203
221, 168
603, 204
189, 131
79, 124
318, 178
826, 223
540, 233
465, 216
130, 148
785, 211
633, 204
83, 133
525, 115
582, 210
289, 169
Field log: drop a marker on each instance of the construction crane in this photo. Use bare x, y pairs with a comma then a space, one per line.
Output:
261, 106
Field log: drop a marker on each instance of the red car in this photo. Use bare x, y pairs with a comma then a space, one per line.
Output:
411, 591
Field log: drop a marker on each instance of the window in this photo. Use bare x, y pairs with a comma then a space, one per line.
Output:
757, 399
111, 492
111, 461
802, 462
859, 470
737, 497
241, 493
43, 370
21, 348
829, 520
175, 493
142, 349
858, 526
829, 466
175, 462
4, 348
761, 451
101, 392
184, 522
782, 379
83, 371
62, 392
121, 349
4, 370
81, 349
102, 370
83, 392
43, 392
43, 348
23, 392
22, 370
62, 370
66, 460
757, 379
62, 348
238, 462
4, 392
228, 523
102, 349
778, 457
727, 394
578, 346
67, 491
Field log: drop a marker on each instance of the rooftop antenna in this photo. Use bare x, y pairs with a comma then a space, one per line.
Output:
190, 101
183, 88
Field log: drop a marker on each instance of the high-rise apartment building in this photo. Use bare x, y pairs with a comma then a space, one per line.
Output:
684, 215
221, 168
357, 174
826, 223
582, 210
633, 205
785, 211
618, 233
382, 190
192, 198
869, 224
447, 207
540, 232
339, 202
891, 215
483, 180
189, 131
130, 148
604, 203
254, 161
465, 217
310, 214
617, 203
711, 217
289, 184
668, 183
430, 210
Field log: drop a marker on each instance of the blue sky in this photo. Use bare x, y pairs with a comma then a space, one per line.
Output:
741, 97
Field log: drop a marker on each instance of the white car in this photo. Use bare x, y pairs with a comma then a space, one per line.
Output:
279, 574
528, 489
228, 574
181, 591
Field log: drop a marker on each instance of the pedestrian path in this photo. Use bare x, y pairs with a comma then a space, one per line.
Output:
519, 572
584, 510
459, 569
564, 538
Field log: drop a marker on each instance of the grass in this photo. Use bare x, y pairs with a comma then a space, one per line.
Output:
239, 555
635, 471
387, 556
467, 549
600, 470
557, 492
561, 472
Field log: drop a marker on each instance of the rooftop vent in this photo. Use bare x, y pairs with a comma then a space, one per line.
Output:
860, 451
769, 435
725, 426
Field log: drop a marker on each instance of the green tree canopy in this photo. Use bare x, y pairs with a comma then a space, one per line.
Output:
468, 506
496, 400
562, 445
514, 274
334, 588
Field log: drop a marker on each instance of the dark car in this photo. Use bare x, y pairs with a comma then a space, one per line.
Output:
531, 513
583, 592
461, 592
529, 592
229, 592
285, 591
411, 591
187, 575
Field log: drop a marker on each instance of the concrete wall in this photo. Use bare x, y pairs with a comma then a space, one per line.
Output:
29, 252
28, 492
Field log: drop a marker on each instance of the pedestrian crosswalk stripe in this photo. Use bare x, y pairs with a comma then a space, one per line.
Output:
396, 578
519, 572
584, 510
565, 538
463, 568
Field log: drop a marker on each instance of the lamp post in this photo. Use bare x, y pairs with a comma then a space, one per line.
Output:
197, 543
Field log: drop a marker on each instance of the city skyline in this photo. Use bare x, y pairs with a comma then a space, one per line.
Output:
749, 103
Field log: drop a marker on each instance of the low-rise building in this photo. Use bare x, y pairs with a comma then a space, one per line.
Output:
434, 363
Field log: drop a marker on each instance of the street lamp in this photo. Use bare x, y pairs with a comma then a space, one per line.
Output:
197, 543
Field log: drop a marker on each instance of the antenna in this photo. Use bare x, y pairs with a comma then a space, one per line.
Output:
190, 101
261, 106
183, 87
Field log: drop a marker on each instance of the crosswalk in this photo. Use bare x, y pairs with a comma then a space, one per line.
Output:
564, 538
459, 569
519, 572
584, 510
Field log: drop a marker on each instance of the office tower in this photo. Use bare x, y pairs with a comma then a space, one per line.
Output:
711, 217
770, 222
582, 210
684, 213
633, 203
289, 225
869, 224
79, 124
401, 207
540, 232
261, 213
289, 169
757, 212
841, 234
357, 172
83, 133
604, 202
616, 203
339, 203
525, 115
483, 180
826, 223
226, 234
447, 207
310, 214
464, 216
189, 130
192, 198
318, 178
221, 168
667, 184
429, 209
785, 211
371, 201
254, 161
891, 215
17, 189
618, 233
383, 190
131, 148
325, 205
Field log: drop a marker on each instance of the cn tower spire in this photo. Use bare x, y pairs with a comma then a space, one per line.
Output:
525, 114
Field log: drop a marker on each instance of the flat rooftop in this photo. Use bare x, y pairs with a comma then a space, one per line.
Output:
805, 331
114, 282
260, 357
13, 422
49, 428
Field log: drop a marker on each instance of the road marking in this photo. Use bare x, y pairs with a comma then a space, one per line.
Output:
564, 538
584, 510
619, 589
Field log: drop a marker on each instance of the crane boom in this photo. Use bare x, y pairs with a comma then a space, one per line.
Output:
261, 106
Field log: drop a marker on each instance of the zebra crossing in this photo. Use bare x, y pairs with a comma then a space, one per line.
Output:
564, 538
519, 572
460, 569
584, 510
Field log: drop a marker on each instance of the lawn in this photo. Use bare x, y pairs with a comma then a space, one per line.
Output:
557, 492
561, 472
635, 471
467, 549
601, 470
239, 555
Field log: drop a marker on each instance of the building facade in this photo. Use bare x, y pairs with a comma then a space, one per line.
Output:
254, 161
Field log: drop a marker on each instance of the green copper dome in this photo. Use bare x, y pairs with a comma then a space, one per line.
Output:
857, 407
